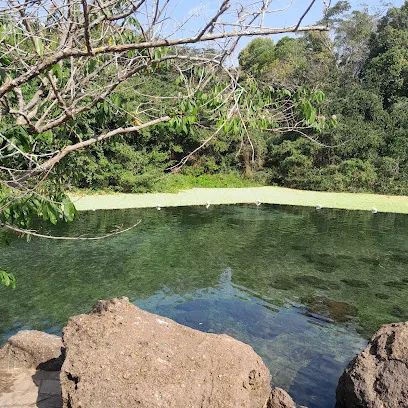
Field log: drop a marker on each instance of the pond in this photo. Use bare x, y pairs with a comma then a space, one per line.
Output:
305, 288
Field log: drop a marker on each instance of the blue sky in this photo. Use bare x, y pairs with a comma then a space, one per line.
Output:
202, 10
288, 17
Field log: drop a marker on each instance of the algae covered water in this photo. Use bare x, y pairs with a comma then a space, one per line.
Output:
305, 288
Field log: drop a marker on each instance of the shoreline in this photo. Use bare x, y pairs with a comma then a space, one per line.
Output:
247, 195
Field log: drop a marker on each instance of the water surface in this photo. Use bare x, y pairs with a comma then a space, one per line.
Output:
305, 288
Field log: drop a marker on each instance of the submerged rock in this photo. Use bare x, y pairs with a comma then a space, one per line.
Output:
331, 309
121, 356
378, 377
32, 349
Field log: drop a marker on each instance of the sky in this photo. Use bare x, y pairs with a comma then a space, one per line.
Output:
202, 10
286, 18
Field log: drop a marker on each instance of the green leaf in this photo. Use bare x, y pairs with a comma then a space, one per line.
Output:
105, 106
319, 96
57, 70
91, 65
69, 209
7, 279
39, 46
235, 127
51, 213
46, 136
177, 149
307, 110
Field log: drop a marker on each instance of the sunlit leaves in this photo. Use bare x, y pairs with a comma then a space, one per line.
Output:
7, 279
250, 107
46, 136
22, 210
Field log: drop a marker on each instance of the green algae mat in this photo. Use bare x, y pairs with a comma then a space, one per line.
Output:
267, 195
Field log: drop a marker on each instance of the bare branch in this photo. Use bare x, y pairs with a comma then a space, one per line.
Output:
304, 15
37, 234
50, 61
223, 8
86, 27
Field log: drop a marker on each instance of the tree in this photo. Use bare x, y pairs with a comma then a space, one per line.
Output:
64, 63
259, 53
387, 66
352, 37
291, 63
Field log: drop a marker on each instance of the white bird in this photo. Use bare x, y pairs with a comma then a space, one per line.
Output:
258, 202
318, 207
207, 205
158, 207
374, 210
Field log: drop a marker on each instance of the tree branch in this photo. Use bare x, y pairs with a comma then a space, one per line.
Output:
67, 149
37, 234
61, 55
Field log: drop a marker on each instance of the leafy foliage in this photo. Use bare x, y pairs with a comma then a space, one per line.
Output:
7, 279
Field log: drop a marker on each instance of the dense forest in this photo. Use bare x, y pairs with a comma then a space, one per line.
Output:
361, 66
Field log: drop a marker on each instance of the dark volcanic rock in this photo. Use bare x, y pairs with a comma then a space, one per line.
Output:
121, 356
378, 377
32, 349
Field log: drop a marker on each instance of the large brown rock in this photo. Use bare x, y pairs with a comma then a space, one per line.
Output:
32, 349
121, 356
279, 398
378, 377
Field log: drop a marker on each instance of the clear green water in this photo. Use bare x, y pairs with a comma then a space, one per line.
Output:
305, 288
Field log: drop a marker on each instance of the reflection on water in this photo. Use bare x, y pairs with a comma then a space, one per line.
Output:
304, 353
305, 288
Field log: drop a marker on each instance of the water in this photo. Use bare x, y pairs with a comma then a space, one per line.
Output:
305, 288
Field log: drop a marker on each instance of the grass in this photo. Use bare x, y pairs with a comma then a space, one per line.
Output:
242, 195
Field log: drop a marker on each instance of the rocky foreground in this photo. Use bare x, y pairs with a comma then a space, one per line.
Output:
378, 377
121, 356
144, 360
